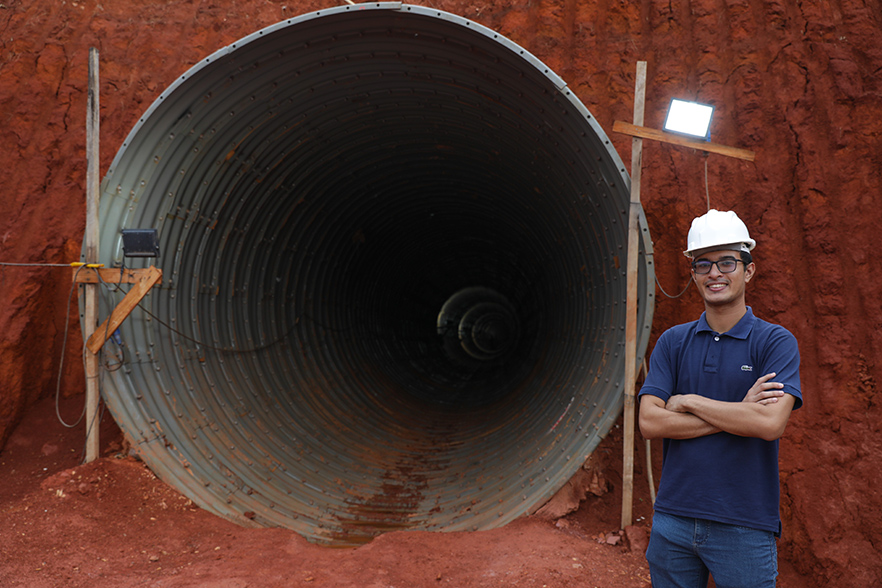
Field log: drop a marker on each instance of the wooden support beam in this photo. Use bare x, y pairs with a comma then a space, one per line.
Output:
630, 375
109, 275
90, 242
146, 280
636, 130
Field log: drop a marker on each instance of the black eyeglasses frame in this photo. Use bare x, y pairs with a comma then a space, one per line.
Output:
711, 264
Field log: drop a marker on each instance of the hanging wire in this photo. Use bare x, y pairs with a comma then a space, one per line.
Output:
96, 418
116, 287
706, 189
221, 349
63, 349
668, 295
707, 195
280, 338
644, 369
73, 287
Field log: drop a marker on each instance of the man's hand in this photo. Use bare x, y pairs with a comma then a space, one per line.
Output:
677, 403
658, 419
762, 392
765, 392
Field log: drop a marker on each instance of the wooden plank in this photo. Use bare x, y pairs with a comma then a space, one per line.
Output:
109, 275
634, 130
630, 367
90, 245
147, 279
631, 302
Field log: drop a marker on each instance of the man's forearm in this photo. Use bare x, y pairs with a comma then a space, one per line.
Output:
656, 422
747, 419
688, 428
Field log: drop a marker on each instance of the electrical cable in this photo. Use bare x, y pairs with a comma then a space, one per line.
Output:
668, 295
657, 283
202, 343
706, 189
707, 195
117, 288
35, 264
63, 350
649, 477
209, 346
96, 417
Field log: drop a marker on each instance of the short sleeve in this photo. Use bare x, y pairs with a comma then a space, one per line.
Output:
781, 356
660, 381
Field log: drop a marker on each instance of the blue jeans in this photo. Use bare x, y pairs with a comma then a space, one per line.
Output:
683, 551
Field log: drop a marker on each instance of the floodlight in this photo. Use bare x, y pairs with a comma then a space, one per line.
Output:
140, 243
689, 118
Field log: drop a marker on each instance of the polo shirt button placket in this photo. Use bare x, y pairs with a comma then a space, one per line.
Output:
712, 360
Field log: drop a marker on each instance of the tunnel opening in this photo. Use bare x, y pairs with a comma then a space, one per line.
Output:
393, 245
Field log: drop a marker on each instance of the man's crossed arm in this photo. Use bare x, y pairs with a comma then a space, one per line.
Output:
762, 413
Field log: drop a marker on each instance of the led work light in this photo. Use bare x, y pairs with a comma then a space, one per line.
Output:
689, 118
140, 243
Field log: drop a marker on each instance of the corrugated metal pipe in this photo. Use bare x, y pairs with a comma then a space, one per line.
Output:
393, 245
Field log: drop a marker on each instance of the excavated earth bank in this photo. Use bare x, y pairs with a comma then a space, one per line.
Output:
798, 83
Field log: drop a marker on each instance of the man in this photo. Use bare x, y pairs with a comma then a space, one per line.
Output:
717, 506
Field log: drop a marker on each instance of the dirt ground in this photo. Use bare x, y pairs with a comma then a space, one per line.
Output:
113, 524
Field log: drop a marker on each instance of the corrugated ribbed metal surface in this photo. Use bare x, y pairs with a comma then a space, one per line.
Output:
322, 189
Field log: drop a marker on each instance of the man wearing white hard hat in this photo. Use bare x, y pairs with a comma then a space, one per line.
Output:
719, 391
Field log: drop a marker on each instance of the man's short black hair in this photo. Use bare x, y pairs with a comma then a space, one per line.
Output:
746, 257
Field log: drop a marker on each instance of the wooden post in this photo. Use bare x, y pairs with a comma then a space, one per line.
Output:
630, 378
91, 252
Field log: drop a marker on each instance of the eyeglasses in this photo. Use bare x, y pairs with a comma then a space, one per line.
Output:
726, 266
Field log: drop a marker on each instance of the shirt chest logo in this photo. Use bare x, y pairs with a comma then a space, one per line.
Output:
747, 368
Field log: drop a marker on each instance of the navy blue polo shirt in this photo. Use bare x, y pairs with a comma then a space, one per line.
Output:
722, 477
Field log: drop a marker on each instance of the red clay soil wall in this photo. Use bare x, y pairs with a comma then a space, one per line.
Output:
799, 83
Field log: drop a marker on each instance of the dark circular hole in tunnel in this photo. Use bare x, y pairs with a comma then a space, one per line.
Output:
393, 248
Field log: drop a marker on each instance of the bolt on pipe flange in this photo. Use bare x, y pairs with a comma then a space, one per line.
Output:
322, 188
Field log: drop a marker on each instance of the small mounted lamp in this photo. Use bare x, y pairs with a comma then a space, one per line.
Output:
140, 242
689, 118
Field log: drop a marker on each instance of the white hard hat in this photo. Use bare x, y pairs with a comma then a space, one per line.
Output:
717, 229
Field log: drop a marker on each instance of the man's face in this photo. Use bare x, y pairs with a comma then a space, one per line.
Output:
720, 289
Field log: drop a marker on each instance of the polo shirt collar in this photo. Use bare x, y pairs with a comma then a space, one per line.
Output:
740, 331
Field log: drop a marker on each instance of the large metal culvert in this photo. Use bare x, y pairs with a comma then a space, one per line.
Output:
394, 250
